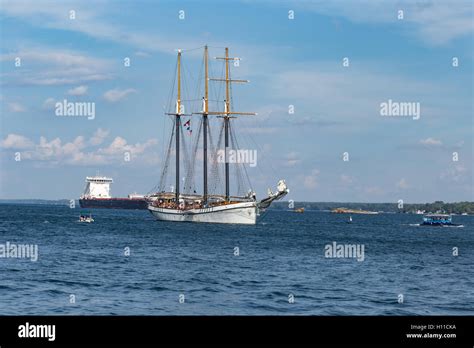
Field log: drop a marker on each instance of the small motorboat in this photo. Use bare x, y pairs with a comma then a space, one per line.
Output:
85, 218
299, 210
440, 220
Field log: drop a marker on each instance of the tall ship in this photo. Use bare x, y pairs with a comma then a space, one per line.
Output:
220, 200
97, 195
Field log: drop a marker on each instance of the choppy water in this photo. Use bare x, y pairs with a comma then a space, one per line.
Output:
282, 255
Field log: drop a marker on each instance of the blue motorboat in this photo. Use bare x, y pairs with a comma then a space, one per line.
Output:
438, 220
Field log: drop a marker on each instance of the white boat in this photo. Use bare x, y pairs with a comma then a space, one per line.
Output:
231, 213
84, 218
209, 207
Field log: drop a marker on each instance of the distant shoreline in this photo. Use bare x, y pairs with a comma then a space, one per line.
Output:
420, 208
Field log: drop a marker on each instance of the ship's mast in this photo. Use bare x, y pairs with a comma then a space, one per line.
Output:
226, 124
227, 114
178, 124
205, 122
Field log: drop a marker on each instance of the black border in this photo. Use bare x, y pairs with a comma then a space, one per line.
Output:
225, 330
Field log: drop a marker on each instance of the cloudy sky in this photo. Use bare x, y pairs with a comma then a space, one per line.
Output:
423, 54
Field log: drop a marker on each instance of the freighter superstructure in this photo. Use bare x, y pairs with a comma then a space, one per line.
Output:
97, 187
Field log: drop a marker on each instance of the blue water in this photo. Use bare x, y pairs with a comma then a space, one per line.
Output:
282, 255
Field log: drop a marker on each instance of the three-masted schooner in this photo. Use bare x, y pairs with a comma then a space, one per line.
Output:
177, 205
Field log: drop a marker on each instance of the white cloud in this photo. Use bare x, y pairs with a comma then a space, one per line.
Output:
311, 181
119, 146
87, 158
434, 22
402, 184
374, 190
115, 95
49, 103
56, 67
455, 173
431, 142
292, 159
72, 148
346, 179
77, 152
16, 107
16, 142
440, 22
91, 21
79, 90
50, 56
99, 136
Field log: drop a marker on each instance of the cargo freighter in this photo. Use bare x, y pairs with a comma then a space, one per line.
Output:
97, 195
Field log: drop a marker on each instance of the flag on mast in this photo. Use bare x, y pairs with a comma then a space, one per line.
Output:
187, 124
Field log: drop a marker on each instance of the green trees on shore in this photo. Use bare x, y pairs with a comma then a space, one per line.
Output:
435, 207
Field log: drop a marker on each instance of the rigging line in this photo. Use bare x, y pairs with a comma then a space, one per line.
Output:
171, 91
166, 153
166, 156
195, 102
217, 90
263, 175
221, 90
196, 147
242, 171
186, 83
216, 163
164, 172
237, 169
263, 215
185, 150
162, 143
249, 136
190, 179
231, 92
234, 137
186, 90
212, 90
192, 49
191, 83
221, 85
253, 140
168, 106
260, 149
214, 175
214, 168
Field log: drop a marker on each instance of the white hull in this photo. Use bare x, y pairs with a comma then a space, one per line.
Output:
235, 213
